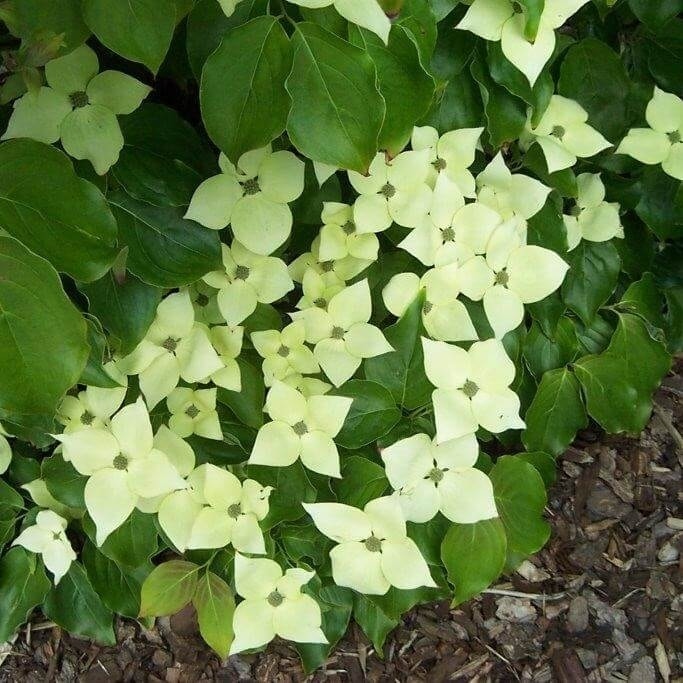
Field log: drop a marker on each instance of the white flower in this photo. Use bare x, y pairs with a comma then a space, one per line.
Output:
342, 334
123, 464
339, 239
373, 551
564, 135
205, 303
216, 510
505, 21
510, 194
472, 388
228, 344
273, 605
319, 282
592, 218
430, 478
443, 316
48, 538
252, 198
174, 347
302, 427
662, 142
194, 412
92, 407
284, 352
246, 280
394, 191
80, 106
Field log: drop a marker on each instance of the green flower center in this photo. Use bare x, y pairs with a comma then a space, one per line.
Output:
170, 344
321, 303
275, 599
427, 307
373, 544
201, 300
120, 462
87, 417
235, 510
448, 235
674, 137
502, 278
283, 351
558, 132
79, 99
251, 186
300, 428
327, 266
388, 190
470, 388
575, 210
435, 475
192, 411
241, 273
517, 8
337, 333
439, 164
349, 228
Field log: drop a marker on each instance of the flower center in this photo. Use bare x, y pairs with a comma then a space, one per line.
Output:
321, 303
170, 344
439, 164
79, 99
251, 186
241, 273
373, 544
427, 307
120, 462
275, 599
674, 137
192, 411
558, 132
448, 235
201, 300
575, 210
235, 510
502, 278
300, 428
283, 351
435, 475
87, 417
517, 8
337, 332
327, 266
388, 190
470, 388
349, 227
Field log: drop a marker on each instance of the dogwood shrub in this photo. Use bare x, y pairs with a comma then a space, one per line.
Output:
300, 301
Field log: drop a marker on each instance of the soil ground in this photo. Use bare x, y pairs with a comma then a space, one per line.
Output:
602, 602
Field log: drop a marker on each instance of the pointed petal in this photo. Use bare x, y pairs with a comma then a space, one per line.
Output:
89, 449
504, 310
73, 71
237, 301
556, 156
253, 625
339, 522
450, 322
354, 566
260, 224
38, 116
447, 366
664, 112
177, 515
475, 277
328, 413
212, 529
404, 566
335, 360
255, 577
371, 213
109, 501
276, 445
133, 430
419, 502
118, 92
319, 454
58, 556
281, 177
366, 341
456, 453
497, 412
247, 536
423, 242
673, 164
153, 475
467, 496
365, 13
197, 359
213, 201
299, 620
408, 460
285, 404
528, 57
400, 292
159, 379
485, 18
535, 272
453, 414
474, 224
409, 207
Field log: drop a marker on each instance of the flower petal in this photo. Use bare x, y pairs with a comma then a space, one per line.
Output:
109, 501
664, 112
673, 164
535, 272
197, 359
133, 430
285, 404
247, 536
281, 177
253, 625
213, 201
72, 72
401, 291
453, 414
408, 460
529, 57
276, 445
328, 413
456, 453
556, 156
58, 556
366, 341
159, 379
467, 496
485, 18
371, 213
256, 577
153, 475
450, 322
475, 277
335, 360
474, 224
299, 620
354, 566
497, 412
492, 368
365, 13
447, 366
177, 515
118, 92
386, 518
38, 115
89, 449
260, 224
319, 454
339, 522
404, 566
504, 310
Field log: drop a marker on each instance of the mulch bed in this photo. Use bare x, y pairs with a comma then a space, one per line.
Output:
602, 602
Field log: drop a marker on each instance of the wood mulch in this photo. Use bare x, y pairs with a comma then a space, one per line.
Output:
602, 602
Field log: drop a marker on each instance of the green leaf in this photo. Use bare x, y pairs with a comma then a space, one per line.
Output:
533, 12
23, 586
304, 542
139, 30
43, 338
520, 498
543, 353
254, 59
402, 370
661, 203
404, 83
375, 623
665, 53
362, 480
71, 225
591, 278
36, 17
458, 105
474, 556
164, 249
373, 413
215, 606
656, 14
337, 111
417, 16
94, 373
546, 229
63, 481
247, 404
74, 605
168, 588
544, 464
11, 504
619, 383
644, 298
556, 413
563, 181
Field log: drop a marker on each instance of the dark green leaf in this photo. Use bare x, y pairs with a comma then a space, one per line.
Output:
247, 404
545, 465
543, 353
304, 542
458, 105
36, 17
661, 203
362, 480
63, 481
94, 373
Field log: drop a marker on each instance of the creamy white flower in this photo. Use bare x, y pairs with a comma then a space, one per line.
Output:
662, 142
193, 411
472, 388
123, 465
505, 21
47, 537
174, 347
373, 551
564, 135
93, 406
308, 386
228, 344
205, 303
216, 510
301, 427
246, 280
319, 282
341, 334
339, 239
394, 191
284, 352
443, 316
253, 198
592, 218
273, 605
430, 478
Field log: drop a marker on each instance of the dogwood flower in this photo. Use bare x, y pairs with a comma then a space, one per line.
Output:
564, 135
246, 280
205, 303
174, 347
443, 316
5, 451
431, 477
505, 21
92, 407
339, 239
320, 281
341, 334
373, 551
592, 218
472, 388
301, 427
79, 106
216, 510
228, 344
122, 465
273, 605
662, 142
251, 198
284, 352
510, 194
365, 13
194, 412
47, 537
394, 191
